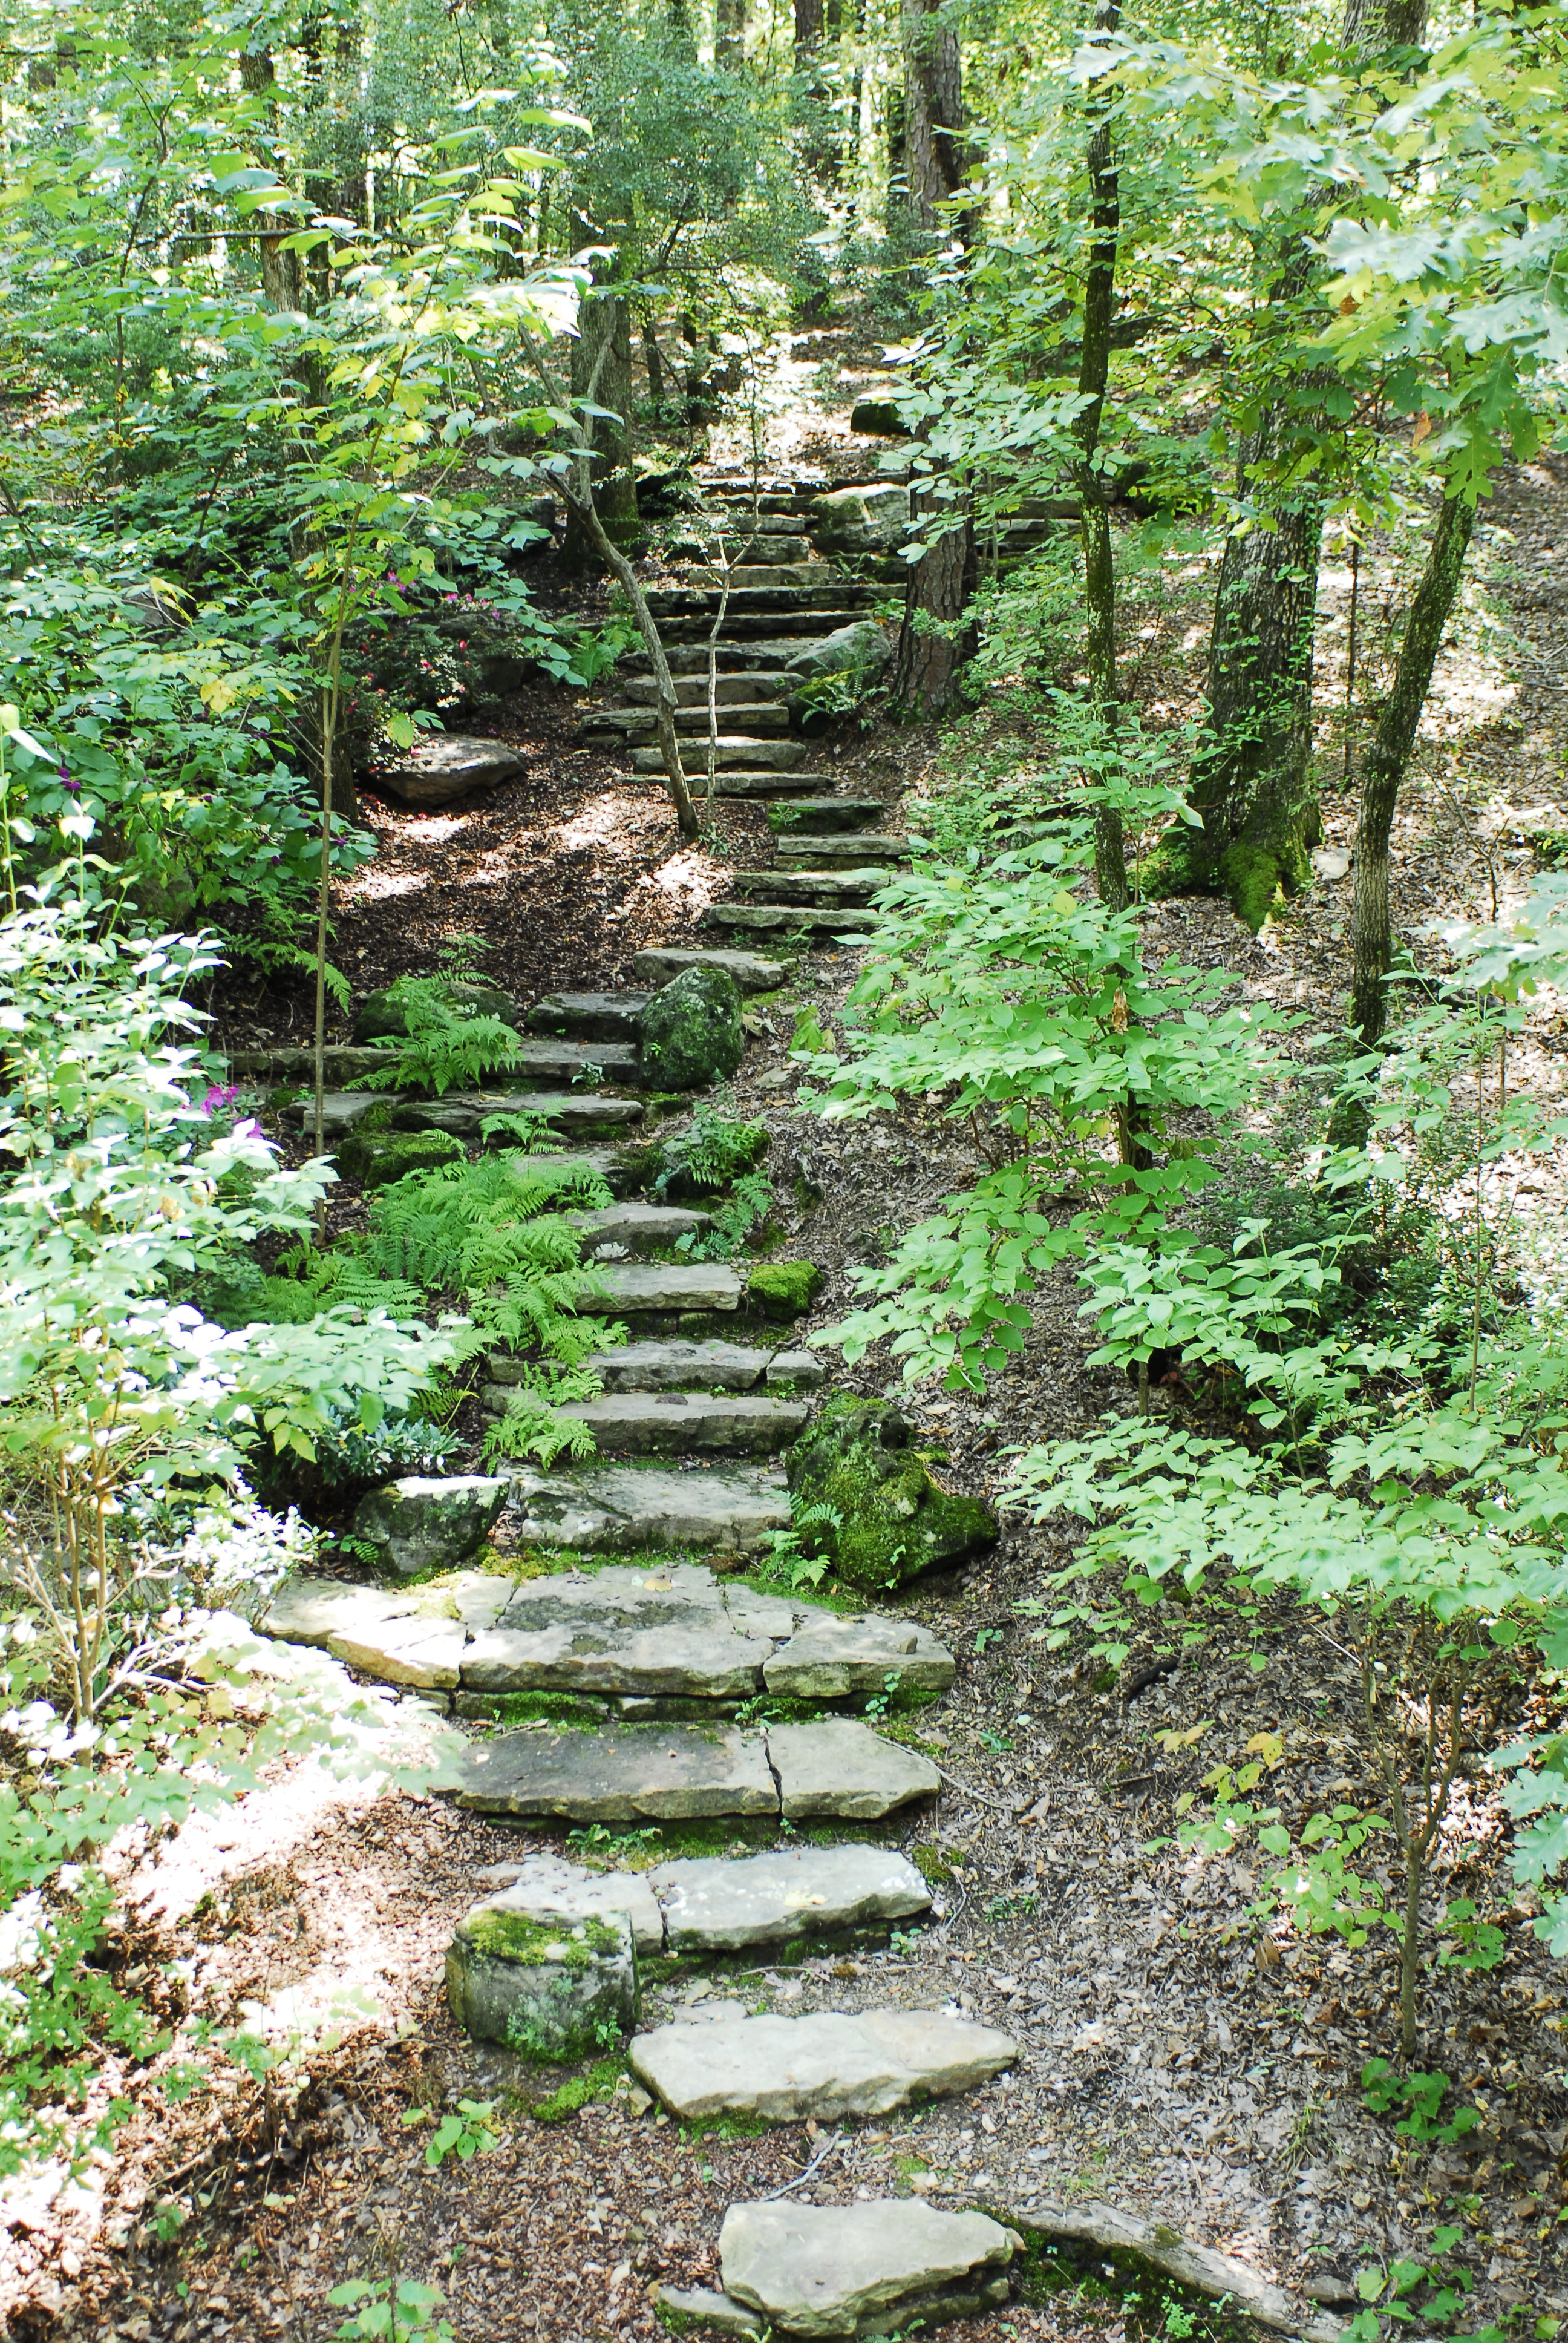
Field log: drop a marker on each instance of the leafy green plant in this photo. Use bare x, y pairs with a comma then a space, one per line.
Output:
448, 1043
1383, 2090
710, 1153
389, 2311
734, 1218
787, 1559
464, 2131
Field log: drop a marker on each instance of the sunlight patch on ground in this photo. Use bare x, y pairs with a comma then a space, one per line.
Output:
377, 886
268, 1826
602, 820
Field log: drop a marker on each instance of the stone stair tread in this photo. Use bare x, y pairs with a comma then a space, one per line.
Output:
610, 1164
852, 886
639, 1227
697, 2308
826, 813
340, 1111
548, 1888
750, 687
735, 751
589, 1016
828, 2065
771, 918
753, 717
660, 964
681, 1365
616, 1508
798, 850
884, 2264
462, 1112
674, 1424
342, 1063
662, 1772
735, 782
665, 1285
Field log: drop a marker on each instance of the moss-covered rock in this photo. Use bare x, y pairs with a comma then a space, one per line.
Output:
1256, 881
690, 1030
784, 1288
893, 1520
377, 1158
552, 1989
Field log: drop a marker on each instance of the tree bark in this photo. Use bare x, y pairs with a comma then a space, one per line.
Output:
936, 152
932, 644
601, 373
1099, 555
1387, 761
730, 34
1373, 25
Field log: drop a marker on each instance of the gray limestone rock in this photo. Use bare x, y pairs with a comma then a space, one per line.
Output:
659, 964
640, 1228
636, 1773
827, 2066
735, 749
447, 765
340, 1111
616, 1508
834, 2270
840, 1767
546, 1888
589, 1016
795, 1371
699, 2309
462, 1112
710, 1665
550, 1988
829, 1657
682, 1366
711, 1906
681, 1423
665, 1285
382, 1013
421, 1524
861, 649
417, 1637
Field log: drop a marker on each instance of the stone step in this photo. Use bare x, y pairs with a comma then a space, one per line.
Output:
691, 690
703, 1366
821, 889
569, 1111
536, 1061
892, 2265
853, 848
664, 1773
636, 1228
829, 2065
695, 1424
754, 716
665, 1285
744, 543
735, 752
769, 920
689, 629
710, 1905
760, 658
744, 784
660, 964
819, 816
616, 1508
812, 604
340, 1111
621, 1168
342, 1062
551, 1061
589, 1016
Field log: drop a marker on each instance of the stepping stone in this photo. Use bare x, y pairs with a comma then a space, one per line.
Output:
795, 1371
734, 750
462, 1112
418, 1524
730, 691
699, 1662
640, 1228
448, 765
546, 1887
676, 1424
697, 2306
685, 1366
712, 1906
342, 1062
818, 886
340, 1111
630, 1772
416, 1638
589, 1016
752, 716
551, 1988
809, 815
828, 2065
862, 2269
616, 1508
840, 1767
665, 1285
767, 920
798, 851
660, 967
619, 1169
829, 1657
565, 1061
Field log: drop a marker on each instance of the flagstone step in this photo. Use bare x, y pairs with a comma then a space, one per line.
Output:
340, 1111
819, 815
616, 1508
888, 2266
589, 1016
342, 1062
739, 783
759, 546
678, 1423
750, 716
829, 2065
816, 601
735, 752
799, 851
821, 889
462, 1112
678, 1366
661, 1772
635, 1286
771, 919
750, 687
660, 964
640, 1228
800, 618
711, 1905
620, 1168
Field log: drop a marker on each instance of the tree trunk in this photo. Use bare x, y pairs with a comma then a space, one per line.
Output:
730, 34
654, 359
1098, 556
582, 512
932, 640
1370, 26
601, 373
1386, 762
936, 153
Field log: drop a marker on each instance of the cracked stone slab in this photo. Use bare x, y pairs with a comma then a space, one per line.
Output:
712, 1663
832, 2270
712, 1906
682, 1366
665, 1285
634, 1773
616, 1508
829, 1658
639, 1227
677, 1423
828, 2065
840, 1767
546, 1888
416, 1638
659, 965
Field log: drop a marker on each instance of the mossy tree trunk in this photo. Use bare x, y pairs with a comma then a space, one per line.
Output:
934, 640
1099, 554
601, 373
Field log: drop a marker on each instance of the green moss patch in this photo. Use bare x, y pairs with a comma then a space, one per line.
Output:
598, 2083
512, 1936
894, 1521
376, 1161
784, 1288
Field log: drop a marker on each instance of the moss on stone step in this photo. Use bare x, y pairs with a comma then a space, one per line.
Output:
376, 1160
893, 1520
784, 1288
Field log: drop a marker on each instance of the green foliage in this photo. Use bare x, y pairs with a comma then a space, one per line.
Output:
389, 2311
464, 2131
788, 1559
448, 1044
1383, 2090
710, 1152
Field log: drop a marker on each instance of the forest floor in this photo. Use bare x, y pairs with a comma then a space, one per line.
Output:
1172, 2060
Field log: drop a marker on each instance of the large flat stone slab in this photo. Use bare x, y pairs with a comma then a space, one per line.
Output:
463, 1112
589, 1016
416, 1638
692, 1661
677, 1423
840, 1767
829, 1657
827, 2065
775, 919
666, 1285
638, 1227
834, 2270
447, 765
637, 1773
732, 749
615, 1509
817, 816
825, 889
549, 1889
340, 1111
682, 1366
711, 1906
660, 965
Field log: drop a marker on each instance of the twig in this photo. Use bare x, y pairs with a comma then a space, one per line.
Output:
800, 2178
995, 1805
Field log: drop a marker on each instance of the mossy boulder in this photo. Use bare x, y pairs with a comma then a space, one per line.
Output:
894, 1521
382, 1014
784, 1288
1256, 881
551, 1989
417, 1523
690, 1030
377, 1158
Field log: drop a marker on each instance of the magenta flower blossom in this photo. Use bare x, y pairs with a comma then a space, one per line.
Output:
218, 1098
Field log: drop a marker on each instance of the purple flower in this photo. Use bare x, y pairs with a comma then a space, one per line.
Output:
217, 1098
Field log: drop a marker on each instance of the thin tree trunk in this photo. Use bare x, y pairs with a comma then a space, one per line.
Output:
654, 359
584, 513
1387, 761
936, 152
601, 356
1098, 556
932, 642
730, 34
